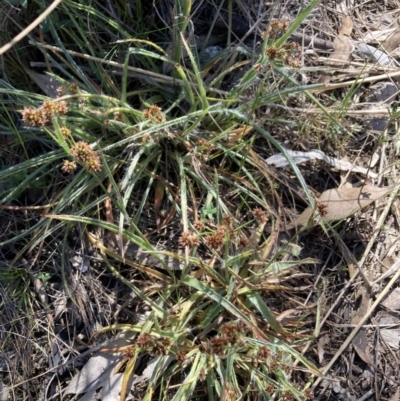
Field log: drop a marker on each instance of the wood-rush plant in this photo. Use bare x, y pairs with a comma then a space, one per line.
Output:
138, 130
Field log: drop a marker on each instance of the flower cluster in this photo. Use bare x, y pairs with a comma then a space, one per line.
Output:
218, 345
217, 239
289, 53
68, 167
243, 242
130, 351
44, 114
189, 239
233, 330
227, 221
260, 215
84, 154
50, 108
33, 117
154, 114
264, 353
277, 28
65, 132
204, 148
118, 116
231, 334
322, 209
199, 225
181, 356
287, 396
292, 54
155, 346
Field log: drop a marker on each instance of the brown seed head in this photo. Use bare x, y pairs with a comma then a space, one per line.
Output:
217, 239
260, 215
199, 225
65, 132
33, 117
189, 239
68, 167
84, 154
144, 340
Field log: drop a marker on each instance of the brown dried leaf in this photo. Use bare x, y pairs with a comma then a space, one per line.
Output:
392, 300
343, 47
342, 52
338, 204
360, 341
392, 43
347, 26
390, 335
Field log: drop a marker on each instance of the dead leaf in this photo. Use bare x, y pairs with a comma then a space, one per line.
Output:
392, 301
342, 52
338, 204
97, 370
39, 289
360, 342
4, 392
323, 340
301, 157
343, 48
112, 388
392, 43
381, 35
396, 395
347, 26
46, 83
391, 336
155, 363
94, 374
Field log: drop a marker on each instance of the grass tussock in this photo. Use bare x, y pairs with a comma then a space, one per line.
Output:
134, 127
